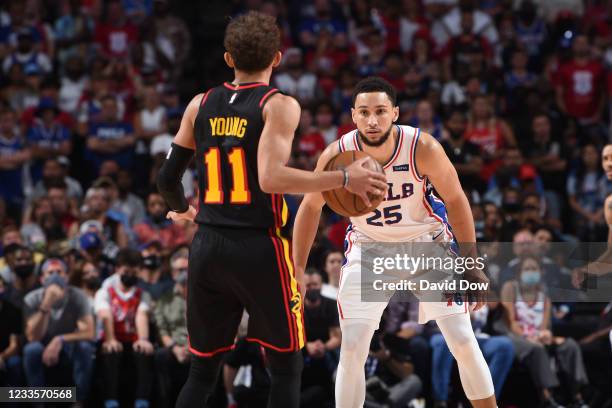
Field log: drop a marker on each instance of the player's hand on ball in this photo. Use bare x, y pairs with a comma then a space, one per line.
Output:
363, 181
188, 215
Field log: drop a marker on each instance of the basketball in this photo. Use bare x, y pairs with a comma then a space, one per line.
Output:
343, 201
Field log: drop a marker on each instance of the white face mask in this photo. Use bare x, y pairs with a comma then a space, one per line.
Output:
530, 277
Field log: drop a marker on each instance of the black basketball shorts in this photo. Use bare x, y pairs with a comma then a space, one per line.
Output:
233, 269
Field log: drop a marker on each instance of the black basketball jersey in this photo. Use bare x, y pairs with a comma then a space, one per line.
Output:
227, 131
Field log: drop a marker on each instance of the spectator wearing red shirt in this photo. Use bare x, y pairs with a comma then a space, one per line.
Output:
580, 93
156, 227
124, 310
310, 142
489, 133
116, 35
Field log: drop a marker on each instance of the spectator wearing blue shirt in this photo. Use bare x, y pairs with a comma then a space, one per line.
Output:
322, 20
13, 155
47, 137
110, 138
426, 120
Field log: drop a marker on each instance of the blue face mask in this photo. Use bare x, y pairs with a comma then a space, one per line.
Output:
530, 277
55, 279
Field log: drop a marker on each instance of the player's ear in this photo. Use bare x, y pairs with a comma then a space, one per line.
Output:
277, 59
395, 114
228, 59
353, 113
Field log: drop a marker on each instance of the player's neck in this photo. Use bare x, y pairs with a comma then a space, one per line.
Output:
383, 153
241, 77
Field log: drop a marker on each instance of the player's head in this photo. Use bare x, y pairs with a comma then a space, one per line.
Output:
374, 110
606, 160
252, 43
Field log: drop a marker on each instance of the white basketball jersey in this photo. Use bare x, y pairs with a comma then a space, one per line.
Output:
410, 209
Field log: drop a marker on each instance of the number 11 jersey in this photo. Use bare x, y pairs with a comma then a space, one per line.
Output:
227, 130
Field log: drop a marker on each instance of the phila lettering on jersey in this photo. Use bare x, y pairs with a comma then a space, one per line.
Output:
410, 209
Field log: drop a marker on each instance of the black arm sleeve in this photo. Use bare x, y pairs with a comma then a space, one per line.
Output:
170, 175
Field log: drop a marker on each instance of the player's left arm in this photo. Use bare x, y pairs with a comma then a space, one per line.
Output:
178, 158
432, 162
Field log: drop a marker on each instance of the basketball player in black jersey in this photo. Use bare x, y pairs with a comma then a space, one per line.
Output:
241, 134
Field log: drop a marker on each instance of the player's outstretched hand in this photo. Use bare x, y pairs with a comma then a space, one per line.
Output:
188, 215
475, 275
363, 180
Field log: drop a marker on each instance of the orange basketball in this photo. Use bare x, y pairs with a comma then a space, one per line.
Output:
343, 201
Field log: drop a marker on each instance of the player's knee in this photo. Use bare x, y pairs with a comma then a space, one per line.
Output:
285, 363
463, 347
204, 369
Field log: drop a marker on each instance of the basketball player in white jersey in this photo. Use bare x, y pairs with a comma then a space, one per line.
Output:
410, 213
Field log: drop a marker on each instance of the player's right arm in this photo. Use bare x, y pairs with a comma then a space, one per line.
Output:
307, 219
282, 115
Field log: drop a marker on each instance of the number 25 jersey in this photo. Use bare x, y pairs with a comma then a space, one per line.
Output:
410, 208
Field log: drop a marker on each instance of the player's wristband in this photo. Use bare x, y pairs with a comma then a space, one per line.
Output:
346, 178
169, 177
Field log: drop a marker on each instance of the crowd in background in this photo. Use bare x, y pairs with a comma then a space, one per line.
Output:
92, 274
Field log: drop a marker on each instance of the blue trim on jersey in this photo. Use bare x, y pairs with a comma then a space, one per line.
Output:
438, 208
416, 143
340, 144
346, 243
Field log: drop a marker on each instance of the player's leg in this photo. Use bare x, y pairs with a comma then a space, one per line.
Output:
213, 316
203, 373
285, 378
268, 287
473, 369
350, 377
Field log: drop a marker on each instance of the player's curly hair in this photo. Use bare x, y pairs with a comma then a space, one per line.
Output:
252, 39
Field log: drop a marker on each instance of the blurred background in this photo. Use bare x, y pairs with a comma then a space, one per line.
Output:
92, 275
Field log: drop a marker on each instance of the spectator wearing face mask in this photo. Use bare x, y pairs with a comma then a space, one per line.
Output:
124, 310
59, 329
10, 330
157, 227
86, 276
152, 277
23, 280
172, 360
528, 311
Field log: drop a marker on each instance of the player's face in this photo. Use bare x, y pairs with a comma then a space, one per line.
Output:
606, 160
374, 115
